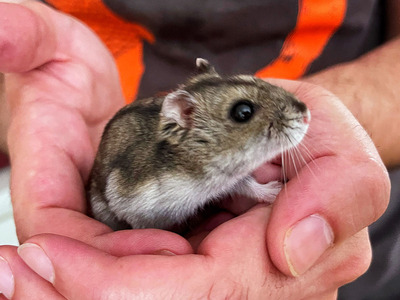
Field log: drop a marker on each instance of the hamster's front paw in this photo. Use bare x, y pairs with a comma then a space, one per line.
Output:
265, 193
268, 192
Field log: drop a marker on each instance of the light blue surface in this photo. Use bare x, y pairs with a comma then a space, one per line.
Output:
7, 227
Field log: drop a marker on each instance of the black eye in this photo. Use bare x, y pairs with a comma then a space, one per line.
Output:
242, 111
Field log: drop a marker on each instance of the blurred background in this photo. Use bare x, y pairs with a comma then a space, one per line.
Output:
7, 228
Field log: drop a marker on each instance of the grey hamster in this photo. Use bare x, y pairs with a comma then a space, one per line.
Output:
162, 159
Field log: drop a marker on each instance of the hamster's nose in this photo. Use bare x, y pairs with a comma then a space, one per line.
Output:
306, 116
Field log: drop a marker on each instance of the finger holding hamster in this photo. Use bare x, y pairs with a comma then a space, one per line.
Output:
338, 187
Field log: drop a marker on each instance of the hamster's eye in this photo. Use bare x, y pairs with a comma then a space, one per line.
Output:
242, 111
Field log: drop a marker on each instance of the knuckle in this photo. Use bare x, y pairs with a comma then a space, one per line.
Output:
378, 187
358, 255
361, 262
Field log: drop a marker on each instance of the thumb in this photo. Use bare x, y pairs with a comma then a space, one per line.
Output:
341, 187
27, 39
68, 263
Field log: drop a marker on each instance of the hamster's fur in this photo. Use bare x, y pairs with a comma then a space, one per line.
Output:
161, 159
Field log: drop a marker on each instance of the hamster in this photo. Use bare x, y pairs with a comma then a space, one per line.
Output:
161, 159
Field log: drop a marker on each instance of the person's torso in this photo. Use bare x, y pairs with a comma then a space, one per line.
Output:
269, 38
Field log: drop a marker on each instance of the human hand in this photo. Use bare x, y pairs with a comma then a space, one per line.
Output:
232, 262
51, 162
336, 174
238, 244
62, 87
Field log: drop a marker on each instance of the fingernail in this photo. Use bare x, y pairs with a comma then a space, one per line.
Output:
37, 260
6, 279
305, 242
164, 252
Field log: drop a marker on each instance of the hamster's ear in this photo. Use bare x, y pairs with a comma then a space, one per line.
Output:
204, 70
178, 107
203, 66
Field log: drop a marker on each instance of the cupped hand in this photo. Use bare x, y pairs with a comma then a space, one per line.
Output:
337, 185
232, 263
62, 86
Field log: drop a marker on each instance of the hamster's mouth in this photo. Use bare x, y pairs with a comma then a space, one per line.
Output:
219, 211
269, 171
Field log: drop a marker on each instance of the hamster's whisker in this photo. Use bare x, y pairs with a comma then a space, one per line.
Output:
293, 155
299, 155
294, 163
310, 145
284, 168
305, 161
307, 151
308, 154
297, 164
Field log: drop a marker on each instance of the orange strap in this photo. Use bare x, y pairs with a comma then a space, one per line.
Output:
123, 39
317, 21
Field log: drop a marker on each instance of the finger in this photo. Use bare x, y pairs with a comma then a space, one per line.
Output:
46, 182
79, 271
24, 45
242, 237
313, 214
19, 281
243, 240
32, 34
53, 190
226, 268
346, 261
57, 264
94, 233
35, 37
338, 266
142, 241
57, 195
239, 247
196, 236
341, 188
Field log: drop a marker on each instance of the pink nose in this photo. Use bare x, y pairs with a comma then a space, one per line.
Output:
307, 117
